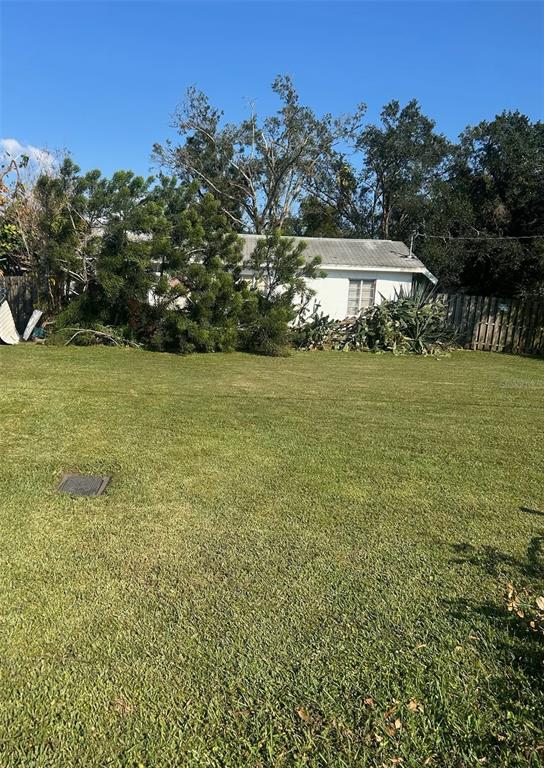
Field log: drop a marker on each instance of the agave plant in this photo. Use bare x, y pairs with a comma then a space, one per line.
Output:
352, 334
413, 321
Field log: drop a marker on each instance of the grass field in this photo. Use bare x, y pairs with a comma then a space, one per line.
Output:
299, 562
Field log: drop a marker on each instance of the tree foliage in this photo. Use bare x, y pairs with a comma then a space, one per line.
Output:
155, 262
401, 159
258, 169
280, 292
207, 274
17, 215
167, 269
471, 207
493, 195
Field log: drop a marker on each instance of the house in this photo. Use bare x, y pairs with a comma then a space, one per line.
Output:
359, 273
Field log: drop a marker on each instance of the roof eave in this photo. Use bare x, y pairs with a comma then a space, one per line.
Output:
429, 275
418, 268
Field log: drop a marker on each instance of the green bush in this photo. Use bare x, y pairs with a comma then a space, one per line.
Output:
268, 332
413, 322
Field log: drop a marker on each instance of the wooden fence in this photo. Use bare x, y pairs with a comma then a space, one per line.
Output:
22, 294
497, 325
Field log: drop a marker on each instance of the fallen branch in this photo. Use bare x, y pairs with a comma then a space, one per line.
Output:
100, 335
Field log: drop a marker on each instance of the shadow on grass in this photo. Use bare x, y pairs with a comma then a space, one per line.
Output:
514, 681
532, 511
497, 563
520, 649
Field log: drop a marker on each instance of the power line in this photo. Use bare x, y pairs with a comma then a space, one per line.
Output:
478, 237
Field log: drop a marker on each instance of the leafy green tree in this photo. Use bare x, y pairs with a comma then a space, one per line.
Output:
401, 159
491, 199
336, 204
280, 269
314, 218
72, 212
10, 246
59, 231
167, 266
132, 228
388, 192
17, 215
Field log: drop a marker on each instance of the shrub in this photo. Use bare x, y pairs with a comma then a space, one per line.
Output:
279, 294
320, 332
409, 323
268, 332
315, 333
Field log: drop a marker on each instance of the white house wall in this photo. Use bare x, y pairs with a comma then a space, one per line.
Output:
332, 290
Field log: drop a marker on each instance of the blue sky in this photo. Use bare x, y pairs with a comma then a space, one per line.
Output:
102, 78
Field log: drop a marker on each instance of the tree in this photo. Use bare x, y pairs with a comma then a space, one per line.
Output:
17, 215
166, 269
61, 236
122, 272
387, 193
336, 204
314, 218
402, 158
491, 203
166, 266
207, 273
280, 292
258, 170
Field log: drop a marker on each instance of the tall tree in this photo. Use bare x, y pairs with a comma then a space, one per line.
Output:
401, 159
491, 204
62, 238
257, 169
17, 215
133, 230
387, 190
336, 204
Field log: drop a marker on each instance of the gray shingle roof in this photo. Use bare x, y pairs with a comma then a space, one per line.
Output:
339, 252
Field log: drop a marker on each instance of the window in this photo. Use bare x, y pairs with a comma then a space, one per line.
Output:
361, 294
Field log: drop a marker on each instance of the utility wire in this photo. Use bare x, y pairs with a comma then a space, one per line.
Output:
478, 237
472, 238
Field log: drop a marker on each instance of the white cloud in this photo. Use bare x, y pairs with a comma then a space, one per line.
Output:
42, 159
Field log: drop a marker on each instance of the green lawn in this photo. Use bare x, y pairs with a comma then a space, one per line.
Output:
291, 551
